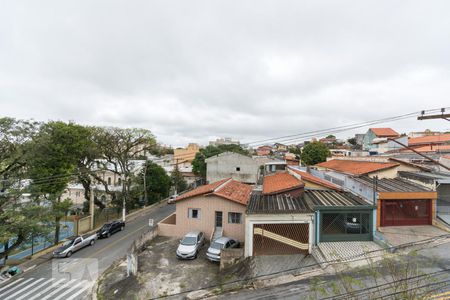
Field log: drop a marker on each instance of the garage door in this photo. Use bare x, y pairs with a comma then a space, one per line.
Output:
279, 239
405, 212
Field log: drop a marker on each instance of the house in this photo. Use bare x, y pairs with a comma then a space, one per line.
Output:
282, 183
384, 145
374, 133
311, 181
234, 165
341, 216
264, 150
429, 141
224, 141
342, 167
280, 147
400, 202
427, 132
216, 209
185, 155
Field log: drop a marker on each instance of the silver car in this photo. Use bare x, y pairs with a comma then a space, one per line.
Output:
190, 245
213, 253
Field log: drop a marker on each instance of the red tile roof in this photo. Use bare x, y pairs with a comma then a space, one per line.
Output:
432, 148
431, 139
384, 132
226, 188
354, 167
305, 176
280, 182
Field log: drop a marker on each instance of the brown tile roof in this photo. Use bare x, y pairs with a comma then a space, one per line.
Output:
384, 132
305, 176
432, 139
226, 188
355, 167
280, 182
432, 148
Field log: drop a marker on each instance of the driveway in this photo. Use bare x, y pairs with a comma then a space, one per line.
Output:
161, 274
400, 235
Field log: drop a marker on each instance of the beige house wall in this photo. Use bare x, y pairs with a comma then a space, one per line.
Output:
208, 205
387, 173
188, 154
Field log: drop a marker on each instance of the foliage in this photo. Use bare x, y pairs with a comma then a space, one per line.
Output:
178, 181
314, 153
157, 183
330, 136
199, 164
295, 150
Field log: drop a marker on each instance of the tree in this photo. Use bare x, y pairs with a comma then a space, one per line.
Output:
315, 153
178, 181
199, 164
295, 150
157, 183
330, 136
53, 155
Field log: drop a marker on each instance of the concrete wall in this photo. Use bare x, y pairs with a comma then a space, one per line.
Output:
250, 220
168, 226
208, 206
237, 166
83, 225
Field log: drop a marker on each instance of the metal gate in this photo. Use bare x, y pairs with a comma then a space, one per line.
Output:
278, 239
340, 226
405, 212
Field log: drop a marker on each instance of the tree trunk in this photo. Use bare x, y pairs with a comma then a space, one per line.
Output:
57, 229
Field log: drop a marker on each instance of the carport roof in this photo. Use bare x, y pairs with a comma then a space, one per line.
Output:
334, 199
392, 185
276, 204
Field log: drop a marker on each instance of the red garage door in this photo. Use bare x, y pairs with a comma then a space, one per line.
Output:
405, 212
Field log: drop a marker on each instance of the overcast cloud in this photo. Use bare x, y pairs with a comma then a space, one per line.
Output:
197, 70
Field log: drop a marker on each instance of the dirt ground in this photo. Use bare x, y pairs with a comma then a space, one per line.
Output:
162, 274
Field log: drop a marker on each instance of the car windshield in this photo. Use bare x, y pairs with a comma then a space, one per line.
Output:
67, 243
216, 245
189, 240
106, 226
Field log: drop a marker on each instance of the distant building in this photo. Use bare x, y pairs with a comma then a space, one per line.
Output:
182, 155
427, 132
374, 133
264, 150
224, 141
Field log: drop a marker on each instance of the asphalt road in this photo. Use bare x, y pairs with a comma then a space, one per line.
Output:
436, 260
72, 278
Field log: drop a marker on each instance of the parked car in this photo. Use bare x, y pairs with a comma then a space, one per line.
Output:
213, 253
172, 199
109, 228
73, 245
9, 272
190, 245
352, 225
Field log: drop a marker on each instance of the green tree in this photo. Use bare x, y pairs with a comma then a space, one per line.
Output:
315, 153
178, 181
157, 183
54, 154
199, 164
295, 150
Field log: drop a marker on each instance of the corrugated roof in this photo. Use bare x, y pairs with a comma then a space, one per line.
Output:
276, 204
280, 182
384, 132
333, 198
392, 185
354, 167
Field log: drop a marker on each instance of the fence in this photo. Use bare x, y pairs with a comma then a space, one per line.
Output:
136, 248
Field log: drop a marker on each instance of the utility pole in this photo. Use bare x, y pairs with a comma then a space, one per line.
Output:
145, 183
91, 205
123, 197
443, 115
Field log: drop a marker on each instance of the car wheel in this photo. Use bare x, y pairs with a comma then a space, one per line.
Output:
122, 228
92, 243
109, 234
69, 254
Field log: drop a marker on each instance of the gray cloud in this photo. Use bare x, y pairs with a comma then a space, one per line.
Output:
195, 70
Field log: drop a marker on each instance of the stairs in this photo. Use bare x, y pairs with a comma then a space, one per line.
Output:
218, 233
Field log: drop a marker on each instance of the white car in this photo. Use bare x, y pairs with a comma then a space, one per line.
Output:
190, 245
213, 253
172, 199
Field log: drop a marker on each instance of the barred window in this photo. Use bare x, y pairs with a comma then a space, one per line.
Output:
234, 218
194, 213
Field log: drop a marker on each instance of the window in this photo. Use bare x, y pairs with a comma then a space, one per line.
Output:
238, 169
234, 218
109, 180
119, 181
194, 213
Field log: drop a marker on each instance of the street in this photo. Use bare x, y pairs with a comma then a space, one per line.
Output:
434, 260
71, 278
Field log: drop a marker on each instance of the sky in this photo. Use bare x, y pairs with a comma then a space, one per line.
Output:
193, 71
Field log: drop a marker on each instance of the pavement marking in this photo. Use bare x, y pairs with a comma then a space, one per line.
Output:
35, 289
47, 289
20, 284
115, 242
83, 289
22, 290
69, 290
59, 289
13, 283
